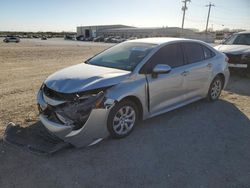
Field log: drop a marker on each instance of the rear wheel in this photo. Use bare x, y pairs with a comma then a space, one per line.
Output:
122, 119
215, 89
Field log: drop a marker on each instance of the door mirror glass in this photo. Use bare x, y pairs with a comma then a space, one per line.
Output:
161, 69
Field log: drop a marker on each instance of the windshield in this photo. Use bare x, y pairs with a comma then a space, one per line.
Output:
125, 56
239, 39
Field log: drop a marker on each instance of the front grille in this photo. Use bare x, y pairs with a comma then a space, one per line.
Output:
57, 95
69, 96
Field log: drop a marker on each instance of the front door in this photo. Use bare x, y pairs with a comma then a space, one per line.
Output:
166, 90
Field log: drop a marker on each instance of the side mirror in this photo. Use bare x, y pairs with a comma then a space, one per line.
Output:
161, 69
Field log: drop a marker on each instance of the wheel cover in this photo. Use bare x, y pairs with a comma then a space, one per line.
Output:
216, 89
124, 120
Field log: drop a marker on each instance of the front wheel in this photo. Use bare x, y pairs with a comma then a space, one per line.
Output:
122, 119
215, 89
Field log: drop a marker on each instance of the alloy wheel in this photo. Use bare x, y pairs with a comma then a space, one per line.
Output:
216, 89
124, 120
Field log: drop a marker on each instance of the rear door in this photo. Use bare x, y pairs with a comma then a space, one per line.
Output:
166, 90
198, 69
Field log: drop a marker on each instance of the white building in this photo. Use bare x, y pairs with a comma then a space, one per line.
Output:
128, 31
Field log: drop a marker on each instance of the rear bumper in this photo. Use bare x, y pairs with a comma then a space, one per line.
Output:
95, 128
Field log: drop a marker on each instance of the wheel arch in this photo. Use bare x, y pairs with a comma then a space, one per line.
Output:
138, 103
222, 76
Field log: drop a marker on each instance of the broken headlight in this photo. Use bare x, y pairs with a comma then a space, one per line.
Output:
75, 113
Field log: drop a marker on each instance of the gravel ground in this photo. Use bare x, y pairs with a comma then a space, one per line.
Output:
25, 65
201, 145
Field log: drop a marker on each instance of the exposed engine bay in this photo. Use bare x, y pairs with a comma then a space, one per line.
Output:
66, 115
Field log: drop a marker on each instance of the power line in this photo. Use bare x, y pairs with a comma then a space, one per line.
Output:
209, 5
184, 8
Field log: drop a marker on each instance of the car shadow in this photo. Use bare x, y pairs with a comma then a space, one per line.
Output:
239, 85
201, 112
34, 138
200, 144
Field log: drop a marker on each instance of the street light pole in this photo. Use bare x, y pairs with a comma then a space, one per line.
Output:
210, 5
184, 8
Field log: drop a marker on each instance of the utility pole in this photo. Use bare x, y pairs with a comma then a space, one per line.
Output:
210, 5
184, 8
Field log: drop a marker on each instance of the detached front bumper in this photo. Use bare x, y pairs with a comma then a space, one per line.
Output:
94, 128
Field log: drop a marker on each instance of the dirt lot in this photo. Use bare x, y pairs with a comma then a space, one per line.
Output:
201, 145
25, 65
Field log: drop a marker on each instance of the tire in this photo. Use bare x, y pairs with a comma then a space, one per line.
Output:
122, 119
215, 89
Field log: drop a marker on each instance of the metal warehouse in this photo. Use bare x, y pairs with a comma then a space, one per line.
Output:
94, 31
129, 31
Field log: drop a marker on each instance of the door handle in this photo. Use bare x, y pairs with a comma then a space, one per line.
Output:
209, 65
185, 73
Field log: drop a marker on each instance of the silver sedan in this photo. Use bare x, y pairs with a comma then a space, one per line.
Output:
135, 80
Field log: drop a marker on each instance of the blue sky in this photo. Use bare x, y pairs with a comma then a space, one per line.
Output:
65, 15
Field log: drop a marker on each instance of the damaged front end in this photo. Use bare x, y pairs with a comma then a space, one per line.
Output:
78, 118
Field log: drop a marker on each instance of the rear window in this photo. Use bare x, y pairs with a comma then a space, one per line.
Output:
239, 39
193, 51
208, 53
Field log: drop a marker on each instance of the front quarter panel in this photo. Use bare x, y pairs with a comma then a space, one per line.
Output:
135, 85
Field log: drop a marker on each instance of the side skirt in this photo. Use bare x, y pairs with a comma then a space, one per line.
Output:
173, 107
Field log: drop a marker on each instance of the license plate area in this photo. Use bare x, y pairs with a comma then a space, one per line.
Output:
237, 65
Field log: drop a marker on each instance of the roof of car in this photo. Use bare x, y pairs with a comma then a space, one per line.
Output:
244, 32
159, 40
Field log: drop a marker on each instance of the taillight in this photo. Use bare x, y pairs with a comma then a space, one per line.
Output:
226, 59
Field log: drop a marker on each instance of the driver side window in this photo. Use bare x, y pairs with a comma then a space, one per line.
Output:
170, 55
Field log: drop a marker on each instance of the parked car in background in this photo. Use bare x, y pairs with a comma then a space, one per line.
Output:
12, 39
117, 39
132, 38
237, 49
69, 37
98, 39
80, 38
131, 81
89, 39
108, 39
43, 38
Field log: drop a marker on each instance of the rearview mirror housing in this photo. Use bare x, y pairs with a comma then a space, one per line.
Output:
162, 69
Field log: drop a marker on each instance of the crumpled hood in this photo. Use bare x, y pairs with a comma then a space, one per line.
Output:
233, 49
84, 77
